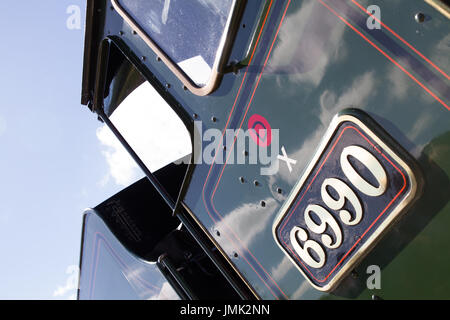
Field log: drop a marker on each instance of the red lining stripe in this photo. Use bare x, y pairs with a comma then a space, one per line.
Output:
403, 40
223, 133
386, 55
240, 126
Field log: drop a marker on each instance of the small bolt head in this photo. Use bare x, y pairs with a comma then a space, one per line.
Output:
419, 17
187, 255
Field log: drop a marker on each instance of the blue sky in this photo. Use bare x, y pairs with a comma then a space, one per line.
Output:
52, 164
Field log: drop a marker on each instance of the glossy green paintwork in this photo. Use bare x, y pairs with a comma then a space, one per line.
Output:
317, 67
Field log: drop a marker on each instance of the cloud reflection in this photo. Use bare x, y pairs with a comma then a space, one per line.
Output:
153, 130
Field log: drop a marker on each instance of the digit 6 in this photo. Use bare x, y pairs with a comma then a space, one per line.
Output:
297, 234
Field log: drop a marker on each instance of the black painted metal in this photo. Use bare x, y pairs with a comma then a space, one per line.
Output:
233, 279
174, 278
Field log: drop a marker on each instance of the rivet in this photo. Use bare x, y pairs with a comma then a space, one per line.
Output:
121, 33
213, 119
241, 179
195, 116
419, 17
263, 204
256, 183
218, 233
168, 85
143, 58
235, 255
279, 190
158, 59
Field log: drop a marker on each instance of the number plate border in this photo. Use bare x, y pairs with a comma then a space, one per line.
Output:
408, 164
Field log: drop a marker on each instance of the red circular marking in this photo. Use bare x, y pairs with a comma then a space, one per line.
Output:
260, 130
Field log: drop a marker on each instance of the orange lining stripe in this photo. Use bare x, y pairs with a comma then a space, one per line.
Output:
240, 126
403, 40
229, 118
243, 119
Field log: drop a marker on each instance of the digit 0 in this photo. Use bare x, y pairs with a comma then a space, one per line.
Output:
371, 163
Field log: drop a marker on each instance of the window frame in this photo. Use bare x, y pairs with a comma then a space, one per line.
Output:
221, 60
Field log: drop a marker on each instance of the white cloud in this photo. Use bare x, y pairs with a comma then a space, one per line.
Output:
121, 166
136, 274
399, 83
440, 52
68, 291
304, 287
248, 222
152, 129
356, 95
166, 293
308, 63
280, 271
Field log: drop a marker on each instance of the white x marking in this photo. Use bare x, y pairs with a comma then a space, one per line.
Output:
288, 160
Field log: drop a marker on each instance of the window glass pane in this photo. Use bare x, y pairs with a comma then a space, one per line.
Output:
109, 271
190, 32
